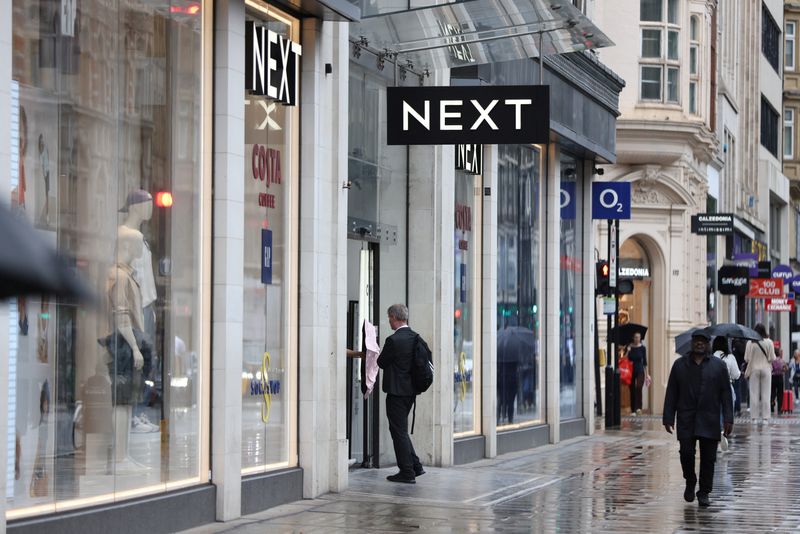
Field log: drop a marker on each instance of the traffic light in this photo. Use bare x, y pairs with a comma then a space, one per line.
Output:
603, 271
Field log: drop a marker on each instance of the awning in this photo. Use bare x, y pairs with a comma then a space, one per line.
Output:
478, 31
333, 10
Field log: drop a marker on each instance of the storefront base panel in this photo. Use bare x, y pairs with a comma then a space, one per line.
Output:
469, 449
522, 439
162, 513
572, 428
260, 492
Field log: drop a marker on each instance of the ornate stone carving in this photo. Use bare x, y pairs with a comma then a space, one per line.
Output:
645, 192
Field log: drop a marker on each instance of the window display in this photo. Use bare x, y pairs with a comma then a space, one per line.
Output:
571, 272
466, 310
105, 399
519, 392
270, 220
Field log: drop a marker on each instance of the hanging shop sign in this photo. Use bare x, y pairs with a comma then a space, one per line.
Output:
567, 200
611, 200
749, 260
784, 272
794, 284
733, 280
498, 114
272, 64
469, 158
764, 288
266, 256
779, 305
712, 223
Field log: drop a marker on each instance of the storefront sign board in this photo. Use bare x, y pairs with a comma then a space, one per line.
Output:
271, 64
266, 256
783, 271
469, 158
712, 223
611, 200
733, 280
764, 288
567, 200
779, 305
498, 114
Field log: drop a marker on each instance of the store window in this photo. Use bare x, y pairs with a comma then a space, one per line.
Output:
519, 368
570, 280
466, 305
106, 401
269, 355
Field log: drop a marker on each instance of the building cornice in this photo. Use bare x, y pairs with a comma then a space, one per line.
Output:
663, 142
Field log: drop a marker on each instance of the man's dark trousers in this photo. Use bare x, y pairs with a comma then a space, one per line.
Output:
397, 409
708, 456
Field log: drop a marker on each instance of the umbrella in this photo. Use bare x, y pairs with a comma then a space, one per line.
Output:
29, 265
683, 341
623, 334
515, 344
733, 330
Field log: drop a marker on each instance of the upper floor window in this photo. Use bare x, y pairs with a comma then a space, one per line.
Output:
660, 51
694, 62
788, 133
769, 127
788, 53
770, 38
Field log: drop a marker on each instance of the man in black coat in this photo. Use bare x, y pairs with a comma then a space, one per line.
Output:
395, 360
698, 390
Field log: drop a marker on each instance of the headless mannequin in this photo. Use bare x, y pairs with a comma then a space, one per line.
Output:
138, 214
130, 244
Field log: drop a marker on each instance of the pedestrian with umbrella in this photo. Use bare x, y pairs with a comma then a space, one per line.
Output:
698, 389
637, 354
759, 356
515, 344
739, 334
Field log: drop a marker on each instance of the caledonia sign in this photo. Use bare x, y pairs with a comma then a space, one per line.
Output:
505, 114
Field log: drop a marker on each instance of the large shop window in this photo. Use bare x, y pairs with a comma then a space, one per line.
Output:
106, 401
466, 305
571, 276
519, 369
269, 358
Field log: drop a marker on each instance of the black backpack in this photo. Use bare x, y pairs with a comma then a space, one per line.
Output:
421, 366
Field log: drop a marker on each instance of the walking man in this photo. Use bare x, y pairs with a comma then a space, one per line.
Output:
698, 390
395, 360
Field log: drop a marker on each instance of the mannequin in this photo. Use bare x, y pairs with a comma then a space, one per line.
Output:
125, 315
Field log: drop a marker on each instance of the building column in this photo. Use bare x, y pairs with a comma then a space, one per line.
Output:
228, 277
586, 300
552, 289
489, 303
5, 190
323, 258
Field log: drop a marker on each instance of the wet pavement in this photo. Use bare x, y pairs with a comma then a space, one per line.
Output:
626, 480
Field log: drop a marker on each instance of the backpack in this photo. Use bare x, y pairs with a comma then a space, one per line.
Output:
421, 366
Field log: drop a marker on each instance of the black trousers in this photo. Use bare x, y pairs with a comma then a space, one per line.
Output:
397, 409
708, 457
637, 383
776, 399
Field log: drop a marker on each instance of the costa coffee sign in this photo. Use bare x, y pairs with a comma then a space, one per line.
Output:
272, 64
504, 114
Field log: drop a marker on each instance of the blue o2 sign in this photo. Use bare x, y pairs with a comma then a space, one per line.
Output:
567, 200
492, 115
611, 200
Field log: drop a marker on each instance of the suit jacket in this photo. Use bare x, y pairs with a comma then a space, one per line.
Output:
698, 411
395, 360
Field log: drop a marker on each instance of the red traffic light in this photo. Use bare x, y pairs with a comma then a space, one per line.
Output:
602, 271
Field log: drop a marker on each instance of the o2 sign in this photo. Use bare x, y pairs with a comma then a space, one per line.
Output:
567, 200
611, 200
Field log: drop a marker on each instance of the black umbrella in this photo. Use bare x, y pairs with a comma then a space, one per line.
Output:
29, 265
623, 334
733, 330
515, 344
683, 341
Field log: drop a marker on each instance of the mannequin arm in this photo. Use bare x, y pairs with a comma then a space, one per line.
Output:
127, 334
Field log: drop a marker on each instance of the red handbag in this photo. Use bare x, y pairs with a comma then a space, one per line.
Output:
625, 371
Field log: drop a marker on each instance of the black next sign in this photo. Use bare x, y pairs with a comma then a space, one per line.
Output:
469, 158
505, 114
272, 64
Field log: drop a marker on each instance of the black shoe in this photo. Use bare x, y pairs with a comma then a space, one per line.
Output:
702, 499
400, 478
419, 472
688, 493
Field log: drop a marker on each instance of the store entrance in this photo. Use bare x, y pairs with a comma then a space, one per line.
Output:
362, 414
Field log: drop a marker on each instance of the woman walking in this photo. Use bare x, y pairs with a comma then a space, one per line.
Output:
721, 350
637, 354
759, 356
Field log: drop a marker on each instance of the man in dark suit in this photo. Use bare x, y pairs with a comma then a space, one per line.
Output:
395, 359
698, 390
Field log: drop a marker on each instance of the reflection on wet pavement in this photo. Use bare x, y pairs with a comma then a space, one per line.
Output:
626, 480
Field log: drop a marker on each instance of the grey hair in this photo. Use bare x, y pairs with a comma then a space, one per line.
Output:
398, 311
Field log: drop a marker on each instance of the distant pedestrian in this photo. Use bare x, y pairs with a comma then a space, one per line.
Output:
637, 354
759, 356
720, 349
396, 359
795, 369
697, 390
740, 386
779, 368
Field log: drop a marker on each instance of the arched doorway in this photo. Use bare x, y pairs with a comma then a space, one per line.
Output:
635, 307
